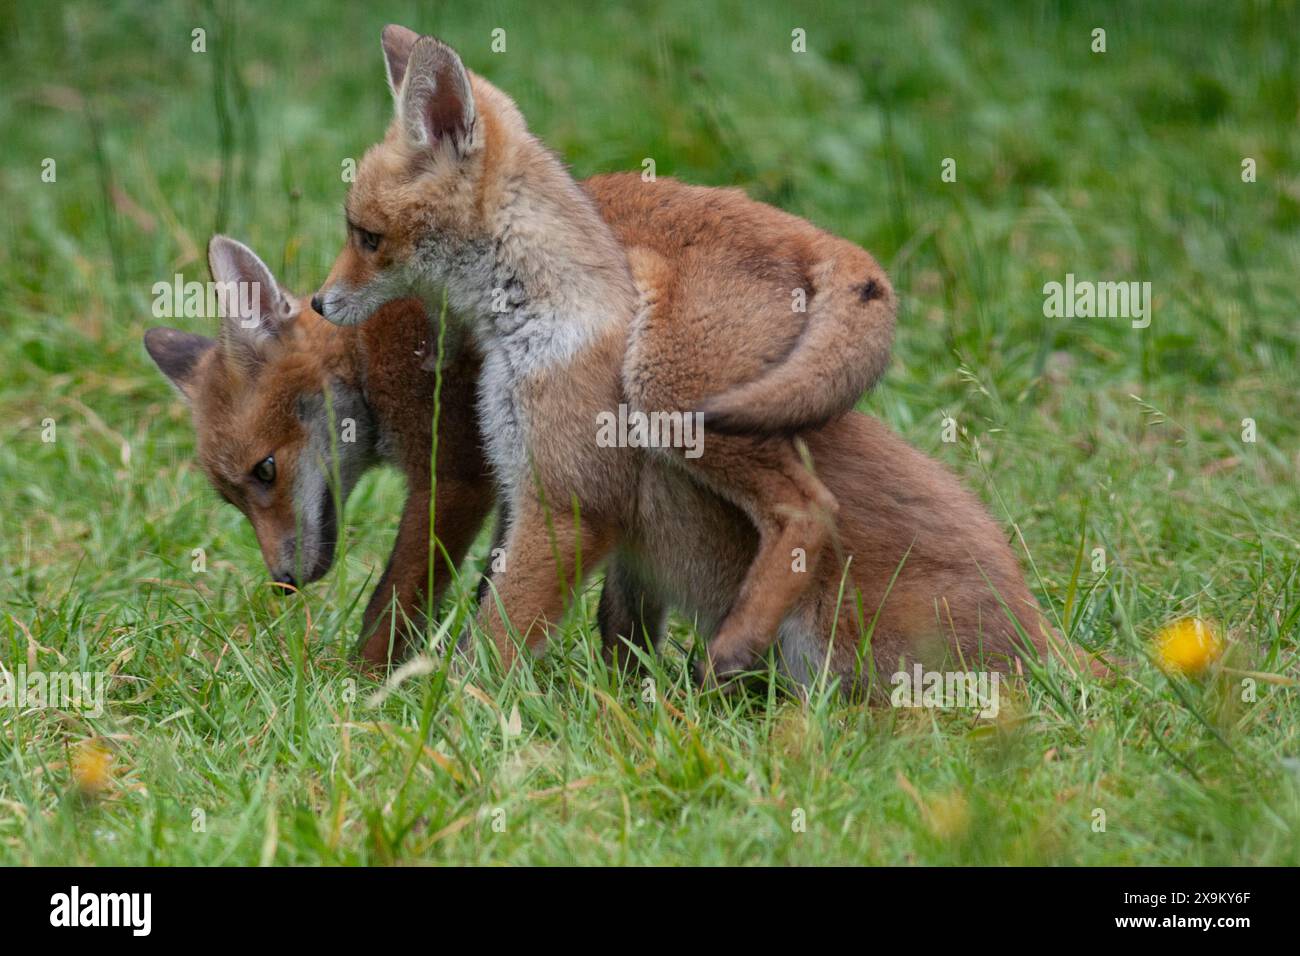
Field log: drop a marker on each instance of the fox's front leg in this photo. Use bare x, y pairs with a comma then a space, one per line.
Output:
396, 613
548, 555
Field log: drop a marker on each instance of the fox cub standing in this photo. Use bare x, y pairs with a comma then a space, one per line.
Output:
933, 571
574, 324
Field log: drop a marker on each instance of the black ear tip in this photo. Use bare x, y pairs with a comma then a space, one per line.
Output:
155, 340
397, 39
174, 351
160, 342
433, 45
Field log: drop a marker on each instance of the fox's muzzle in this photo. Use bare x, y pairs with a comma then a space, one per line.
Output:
340, 305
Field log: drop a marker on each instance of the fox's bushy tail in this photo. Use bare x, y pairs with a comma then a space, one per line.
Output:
843, 352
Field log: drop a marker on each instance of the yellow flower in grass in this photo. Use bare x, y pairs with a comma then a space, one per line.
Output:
91, 768
1187, 646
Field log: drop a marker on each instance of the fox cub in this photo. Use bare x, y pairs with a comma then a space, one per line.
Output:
270, 396
928, 571
688, 307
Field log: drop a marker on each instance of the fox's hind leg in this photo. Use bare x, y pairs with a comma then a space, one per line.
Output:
685, 346
794, 514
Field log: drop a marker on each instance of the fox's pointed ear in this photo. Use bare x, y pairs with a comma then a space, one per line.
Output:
397, 42
254, 309
177, 354
436, 104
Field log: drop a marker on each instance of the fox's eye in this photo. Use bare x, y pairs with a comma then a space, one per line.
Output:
264, 470
369, 240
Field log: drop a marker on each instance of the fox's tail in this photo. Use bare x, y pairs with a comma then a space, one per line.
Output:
843, 352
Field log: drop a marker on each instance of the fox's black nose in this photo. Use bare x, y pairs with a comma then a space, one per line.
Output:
287, 579
318, 304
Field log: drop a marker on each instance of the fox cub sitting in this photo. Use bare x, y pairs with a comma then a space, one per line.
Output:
685, 310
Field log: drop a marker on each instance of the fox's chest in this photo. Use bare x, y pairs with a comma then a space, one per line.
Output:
519, 348
542, 431
502, 419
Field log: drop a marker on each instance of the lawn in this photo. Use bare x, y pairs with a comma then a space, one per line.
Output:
1119, 459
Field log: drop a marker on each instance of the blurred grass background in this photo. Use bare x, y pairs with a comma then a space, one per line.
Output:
1082, 434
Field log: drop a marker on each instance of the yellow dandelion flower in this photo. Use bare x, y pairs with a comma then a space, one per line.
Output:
91, 763
1187, 646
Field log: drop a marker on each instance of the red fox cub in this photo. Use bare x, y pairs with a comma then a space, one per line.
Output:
929, 564
701, 308
932, 569
272, 396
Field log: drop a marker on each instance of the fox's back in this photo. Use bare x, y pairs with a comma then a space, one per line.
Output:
902, 511
693, 226
744, 298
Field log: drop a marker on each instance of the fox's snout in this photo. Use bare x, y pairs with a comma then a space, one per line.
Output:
336, 305
295, 562
342, 303
353, 289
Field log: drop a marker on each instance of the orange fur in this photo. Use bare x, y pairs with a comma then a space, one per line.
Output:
757, 320
257, 393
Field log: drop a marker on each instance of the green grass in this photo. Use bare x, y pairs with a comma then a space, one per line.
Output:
231, 705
